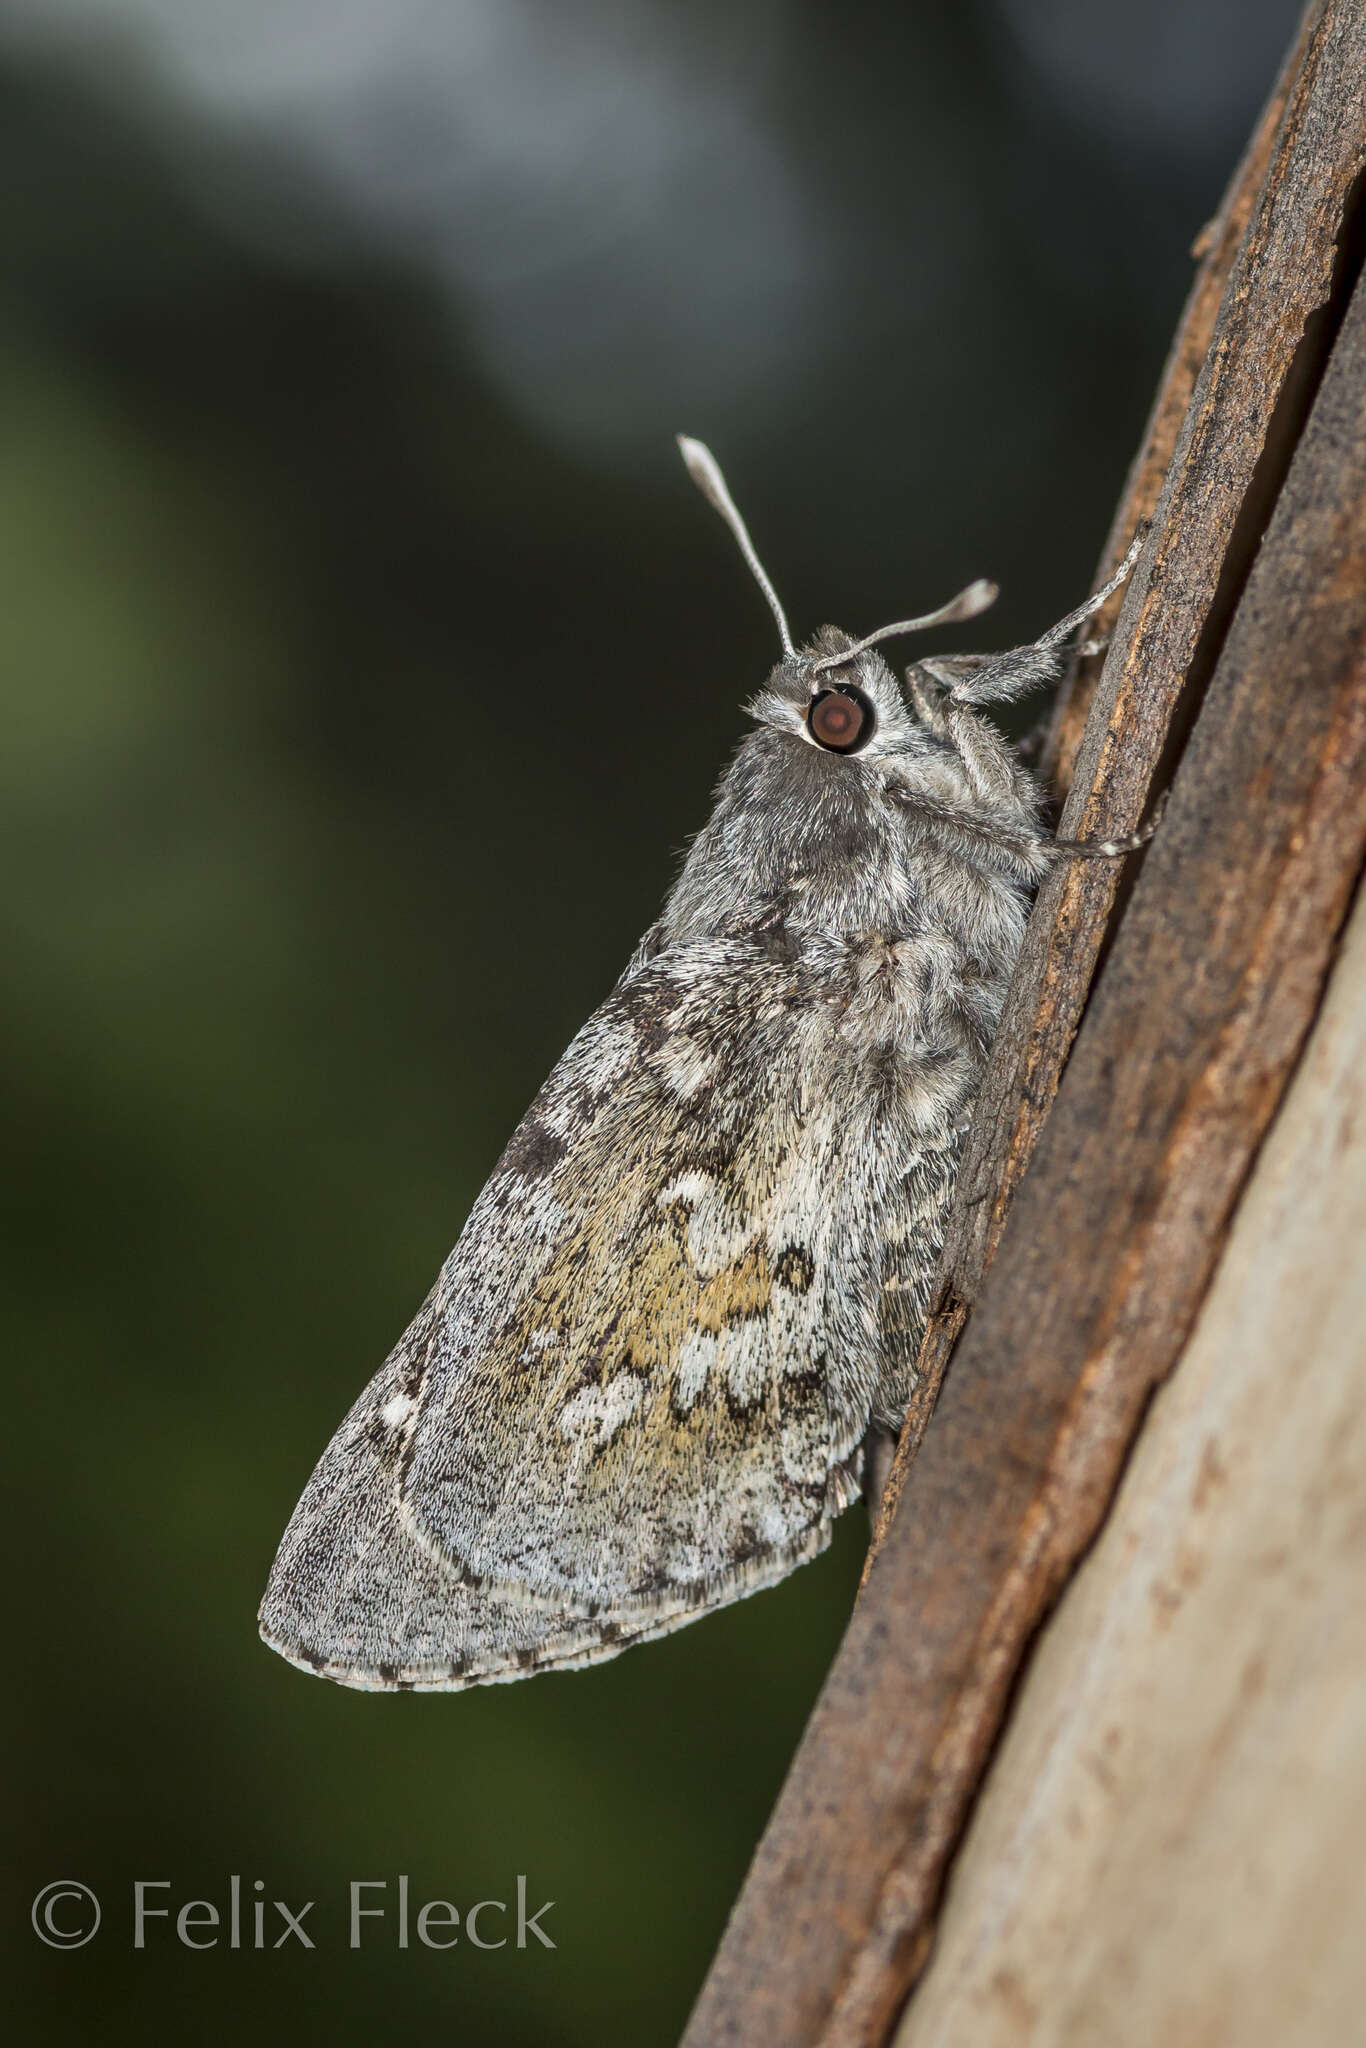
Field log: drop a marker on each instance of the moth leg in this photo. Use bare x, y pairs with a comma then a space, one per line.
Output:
1005, 676
1106, 849
991, 769
921, 678
1029, 749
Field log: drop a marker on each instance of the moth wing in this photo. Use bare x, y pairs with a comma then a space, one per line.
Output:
353, 1598
657, 1340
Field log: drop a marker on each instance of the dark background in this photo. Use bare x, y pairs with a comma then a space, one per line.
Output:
368, 659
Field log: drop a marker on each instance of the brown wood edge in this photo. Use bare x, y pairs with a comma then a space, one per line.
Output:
1216, 249
810, 1954
1078, 909
1209, 1122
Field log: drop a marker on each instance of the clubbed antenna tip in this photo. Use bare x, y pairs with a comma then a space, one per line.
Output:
966, 605
705, 471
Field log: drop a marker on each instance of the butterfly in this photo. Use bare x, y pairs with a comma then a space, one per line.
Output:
644, 1382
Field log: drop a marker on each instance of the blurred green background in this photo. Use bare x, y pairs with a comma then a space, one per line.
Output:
368, 659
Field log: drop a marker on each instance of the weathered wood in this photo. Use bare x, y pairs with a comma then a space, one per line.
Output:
1194, 1028
1217, 249
1264, 355
1168, 1844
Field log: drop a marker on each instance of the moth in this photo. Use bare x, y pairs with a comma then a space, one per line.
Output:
644, 1382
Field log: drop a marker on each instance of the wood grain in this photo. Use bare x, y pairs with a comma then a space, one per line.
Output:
1197, 1019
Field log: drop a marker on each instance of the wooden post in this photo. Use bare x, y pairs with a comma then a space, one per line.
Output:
1237, 672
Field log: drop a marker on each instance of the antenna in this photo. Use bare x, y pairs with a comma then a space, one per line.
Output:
966, 605
705, 471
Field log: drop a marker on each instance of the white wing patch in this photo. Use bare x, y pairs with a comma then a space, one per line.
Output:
684, 1065
695, 1362
396, 1411
599, 1412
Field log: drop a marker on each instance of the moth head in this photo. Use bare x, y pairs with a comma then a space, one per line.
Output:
837, 694
839, 698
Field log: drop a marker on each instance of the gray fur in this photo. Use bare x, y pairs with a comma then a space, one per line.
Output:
699, 1273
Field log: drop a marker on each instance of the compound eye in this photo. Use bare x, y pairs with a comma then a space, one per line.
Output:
842, 721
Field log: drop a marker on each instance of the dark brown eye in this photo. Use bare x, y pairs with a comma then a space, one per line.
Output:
841, 720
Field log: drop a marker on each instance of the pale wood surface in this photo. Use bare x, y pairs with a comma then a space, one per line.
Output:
1169, 1848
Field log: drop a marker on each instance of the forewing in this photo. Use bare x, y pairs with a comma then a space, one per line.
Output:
353, 1598
640, 1386
656, 1341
